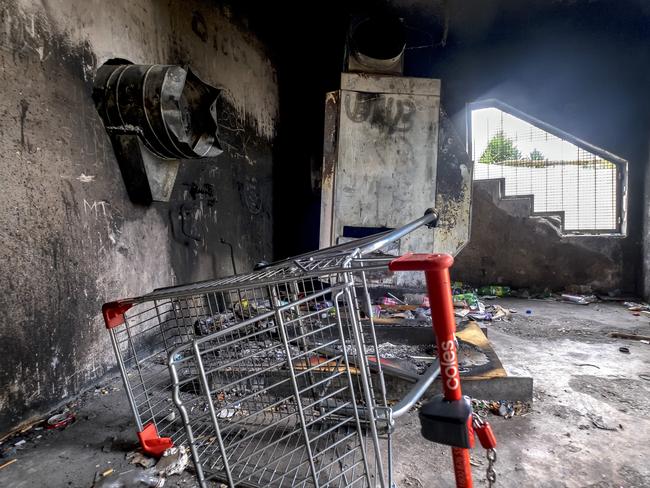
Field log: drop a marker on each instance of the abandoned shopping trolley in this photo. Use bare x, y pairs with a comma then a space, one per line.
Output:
274, 378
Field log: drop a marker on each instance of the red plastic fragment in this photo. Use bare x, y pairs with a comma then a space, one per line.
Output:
114, 313
152, 443
60, 421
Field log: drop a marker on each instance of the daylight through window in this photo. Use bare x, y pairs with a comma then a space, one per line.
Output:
564, 177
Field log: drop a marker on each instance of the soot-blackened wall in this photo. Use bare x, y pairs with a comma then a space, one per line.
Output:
70, 239
580, 66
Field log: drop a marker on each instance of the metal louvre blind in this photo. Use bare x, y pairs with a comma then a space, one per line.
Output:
564, 179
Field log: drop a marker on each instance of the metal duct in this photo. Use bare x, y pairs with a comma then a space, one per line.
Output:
155, 115
168, 107
376, 45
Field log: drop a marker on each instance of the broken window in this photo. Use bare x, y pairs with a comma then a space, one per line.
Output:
568, 179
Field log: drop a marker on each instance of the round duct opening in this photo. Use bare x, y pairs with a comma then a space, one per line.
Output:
378, 42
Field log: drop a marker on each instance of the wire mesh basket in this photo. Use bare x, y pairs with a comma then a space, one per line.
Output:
272, 372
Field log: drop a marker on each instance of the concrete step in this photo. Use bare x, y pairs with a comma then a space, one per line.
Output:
517, 205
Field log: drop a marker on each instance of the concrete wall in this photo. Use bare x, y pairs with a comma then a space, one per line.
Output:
69, 237
509, 247
645, 265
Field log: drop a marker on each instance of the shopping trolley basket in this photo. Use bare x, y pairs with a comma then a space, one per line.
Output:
274, 378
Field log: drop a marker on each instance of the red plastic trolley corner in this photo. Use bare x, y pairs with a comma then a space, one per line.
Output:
113, 313
152, 443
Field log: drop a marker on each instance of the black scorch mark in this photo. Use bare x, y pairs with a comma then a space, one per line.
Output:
24, 106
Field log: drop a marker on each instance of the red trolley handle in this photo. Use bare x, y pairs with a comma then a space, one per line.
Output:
436, 272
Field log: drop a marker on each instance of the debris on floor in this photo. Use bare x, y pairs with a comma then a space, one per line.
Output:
60, 421
468, 305
579, 299
33, 432
173, 461
494, 291
134, 478
140, 459
8, 463
637, 307
501, 408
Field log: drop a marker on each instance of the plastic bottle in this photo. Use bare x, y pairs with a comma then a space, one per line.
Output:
136, 478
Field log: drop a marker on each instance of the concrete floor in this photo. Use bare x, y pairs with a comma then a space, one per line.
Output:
588, 427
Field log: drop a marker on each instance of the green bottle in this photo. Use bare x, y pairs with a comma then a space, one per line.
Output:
494, 290
469, 298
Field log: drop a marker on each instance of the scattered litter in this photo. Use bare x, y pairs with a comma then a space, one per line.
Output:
247, 308
494, 291
461, 312
529, 311
227, 413
60, 421
20, 443
422, 314
644, 341
8, 463
219, 321
501, 408
171, 417
579, 299
132, 479
396, 299
139, 459
624, 349
636, 307
86, 178
388, 301
492, 312
173, 461
418, 299
108, 472
466, 300
404, 315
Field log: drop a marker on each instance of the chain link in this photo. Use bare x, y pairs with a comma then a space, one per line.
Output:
490, 473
